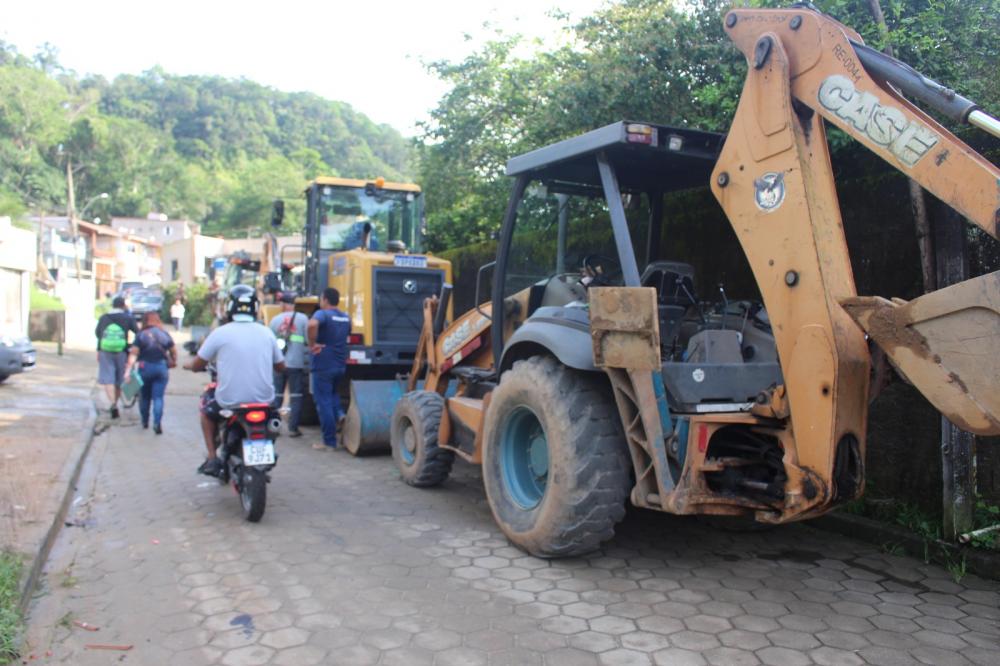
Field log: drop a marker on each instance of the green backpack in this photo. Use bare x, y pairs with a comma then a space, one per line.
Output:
113, 338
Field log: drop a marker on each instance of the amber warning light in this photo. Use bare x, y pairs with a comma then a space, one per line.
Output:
636, 133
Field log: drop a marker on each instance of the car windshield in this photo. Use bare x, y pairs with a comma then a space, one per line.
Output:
343, 212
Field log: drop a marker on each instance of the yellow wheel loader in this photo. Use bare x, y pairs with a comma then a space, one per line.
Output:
365, 238
603, 372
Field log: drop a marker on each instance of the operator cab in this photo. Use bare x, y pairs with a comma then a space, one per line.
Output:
589, 211
344, 214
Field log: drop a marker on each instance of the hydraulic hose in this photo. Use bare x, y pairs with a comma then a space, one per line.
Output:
914, 84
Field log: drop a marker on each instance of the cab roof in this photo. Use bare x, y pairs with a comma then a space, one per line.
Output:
674, 159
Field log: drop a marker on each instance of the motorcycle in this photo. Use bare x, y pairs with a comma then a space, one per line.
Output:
246, 448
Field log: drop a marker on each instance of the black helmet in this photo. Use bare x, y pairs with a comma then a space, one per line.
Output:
242, 300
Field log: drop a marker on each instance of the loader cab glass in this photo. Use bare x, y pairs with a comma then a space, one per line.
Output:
343, 212
240, 270
562, 243
589, 211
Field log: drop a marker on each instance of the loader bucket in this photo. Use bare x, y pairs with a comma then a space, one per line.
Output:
369, 416
947, 344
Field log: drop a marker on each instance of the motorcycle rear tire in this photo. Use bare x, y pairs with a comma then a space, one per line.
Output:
253, 494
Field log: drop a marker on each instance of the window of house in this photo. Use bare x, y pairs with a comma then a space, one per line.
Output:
174, 270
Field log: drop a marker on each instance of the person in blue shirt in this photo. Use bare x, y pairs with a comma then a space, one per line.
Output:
155, 352
327, 334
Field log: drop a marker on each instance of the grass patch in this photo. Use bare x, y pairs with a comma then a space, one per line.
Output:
66, 621
68, 580
923, 523
41, 300
10, 616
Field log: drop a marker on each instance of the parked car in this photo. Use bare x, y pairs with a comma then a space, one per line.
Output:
17, 354
144, 301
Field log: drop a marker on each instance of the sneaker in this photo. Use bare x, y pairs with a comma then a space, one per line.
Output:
294, 433
319, 446
211, 467
157, 429
145, 426
114, 412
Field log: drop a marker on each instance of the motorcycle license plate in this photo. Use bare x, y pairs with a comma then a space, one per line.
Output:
258, 452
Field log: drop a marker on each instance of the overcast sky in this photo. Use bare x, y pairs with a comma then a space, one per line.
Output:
367, 54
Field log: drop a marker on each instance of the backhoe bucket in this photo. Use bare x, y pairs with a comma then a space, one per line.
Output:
369, 416
947, 344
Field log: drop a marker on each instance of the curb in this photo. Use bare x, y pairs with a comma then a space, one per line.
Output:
70, 475
983, 563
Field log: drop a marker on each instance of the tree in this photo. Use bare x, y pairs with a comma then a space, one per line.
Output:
654, 60
32, 123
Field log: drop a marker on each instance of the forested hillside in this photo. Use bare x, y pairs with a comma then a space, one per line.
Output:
210, 149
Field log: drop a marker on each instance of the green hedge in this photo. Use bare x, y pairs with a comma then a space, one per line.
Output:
197, 304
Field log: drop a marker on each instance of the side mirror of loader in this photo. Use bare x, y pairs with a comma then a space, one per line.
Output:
277, 213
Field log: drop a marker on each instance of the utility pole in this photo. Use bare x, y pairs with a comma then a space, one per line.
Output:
71, 213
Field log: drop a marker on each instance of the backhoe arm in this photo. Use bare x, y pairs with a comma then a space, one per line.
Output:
827, 69
775, 182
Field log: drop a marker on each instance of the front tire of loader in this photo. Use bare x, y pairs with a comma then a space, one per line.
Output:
414, 439
555, 462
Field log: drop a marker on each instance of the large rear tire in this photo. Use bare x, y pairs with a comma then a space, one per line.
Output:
555, 462
253, 494
414, 439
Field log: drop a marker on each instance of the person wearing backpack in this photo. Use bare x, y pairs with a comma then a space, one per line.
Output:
155, 352
112, 350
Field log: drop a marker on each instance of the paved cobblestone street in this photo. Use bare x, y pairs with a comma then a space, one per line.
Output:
351, 566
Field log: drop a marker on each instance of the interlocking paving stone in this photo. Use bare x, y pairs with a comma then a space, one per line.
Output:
351, 566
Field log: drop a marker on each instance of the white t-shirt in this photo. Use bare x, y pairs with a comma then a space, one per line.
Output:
245, 354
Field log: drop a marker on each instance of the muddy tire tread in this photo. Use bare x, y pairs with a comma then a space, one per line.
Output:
423, 408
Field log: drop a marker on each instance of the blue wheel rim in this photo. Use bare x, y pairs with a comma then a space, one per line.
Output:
524, 458
408, 447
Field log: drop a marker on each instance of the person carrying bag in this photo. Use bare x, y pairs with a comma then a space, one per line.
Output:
155, 353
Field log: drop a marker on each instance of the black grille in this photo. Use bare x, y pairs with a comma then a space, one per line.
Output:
399, 302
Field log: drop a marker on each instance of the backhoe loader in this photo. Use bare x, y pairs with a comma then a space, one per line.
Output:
591, 378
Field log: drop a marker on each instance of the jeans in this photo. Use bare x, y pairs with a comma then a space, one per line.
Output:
154, 385
324, 390
294, 378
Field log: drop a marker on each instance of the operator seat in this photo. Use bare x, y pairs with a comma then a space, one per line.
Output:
674, 284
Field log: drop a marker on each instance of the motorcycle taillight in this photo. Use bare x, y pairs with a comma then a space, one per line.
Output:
256, 416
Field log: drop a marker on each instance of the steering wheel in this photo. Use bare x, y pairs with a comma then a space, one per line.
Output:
602, 268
